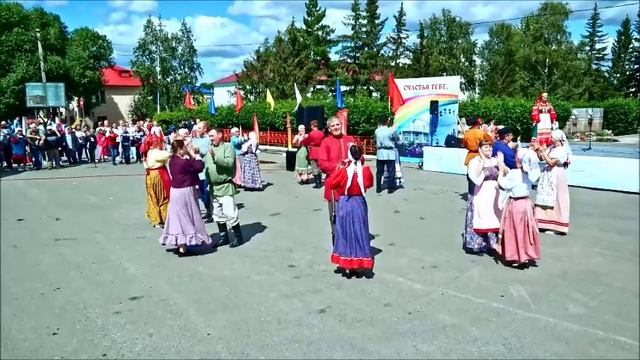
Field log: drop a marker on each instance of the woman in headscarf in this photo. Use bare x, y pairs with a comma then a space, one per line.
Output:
519, 240
552, 198
303, 168
184, 226
251, 178
157, 179
236, 142
483, 215
351, 249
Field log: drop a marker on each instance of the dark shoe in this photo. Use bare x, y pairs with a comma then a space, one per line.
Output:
208, 219
237, 236
318, 180
224, 235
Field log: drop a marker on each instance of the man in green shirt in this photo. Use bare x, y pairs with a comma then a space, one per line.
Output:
220, 169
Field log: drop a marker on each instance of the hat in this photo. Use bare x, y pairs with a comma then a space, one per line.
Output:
18, 129
504, 131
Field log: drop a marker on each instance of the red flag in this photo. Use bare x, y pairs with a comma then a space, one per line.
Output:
188, 101
395, 97
239, 101
256, 129
342, 114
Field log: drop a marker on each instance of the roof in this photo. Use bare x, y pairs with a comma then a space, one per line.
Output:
119, 76
233, 78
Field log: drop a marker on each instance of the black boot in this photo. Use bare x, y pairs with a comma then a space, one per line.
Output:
237, 236
224, 235
318, 179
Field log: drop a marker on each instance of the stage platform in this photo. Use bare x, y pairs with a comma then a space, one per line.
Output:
598, 168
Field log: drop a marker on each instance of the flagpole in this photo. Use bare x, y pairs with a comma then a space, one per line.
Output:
289, 132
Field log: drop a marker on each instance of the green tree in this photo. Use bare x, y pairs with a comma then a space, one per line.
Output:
397, 41
621, 68
420, 57
352, 46
548, 60
372, 60
451, 49
256, 68
318, 39
634, 86
19, 61
164, 62
498, 70
87, 52
594, 41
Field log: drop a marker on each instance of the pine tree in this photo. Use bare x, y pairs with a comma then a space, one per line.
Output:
372, 46
318, 39
397, 40
634, 86
352, 45
594, 41
621, 57
420, 57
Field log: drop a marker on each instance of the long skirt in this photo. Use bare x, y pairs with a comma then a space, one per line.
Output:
251, 178
519, 236
238, 178
556, 218
302, 162
472, 241
352, 249
184, 224
158, 183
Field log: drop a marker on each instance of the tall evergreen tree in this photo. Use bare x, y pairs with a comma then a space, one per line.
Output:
594, 41
634, 86
318, 38
352, 45
372, 46
419, 57
621, 57
397, 40
188, 67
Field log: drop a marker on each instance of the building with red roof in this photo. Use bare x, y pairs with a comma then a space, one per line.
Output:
119, 88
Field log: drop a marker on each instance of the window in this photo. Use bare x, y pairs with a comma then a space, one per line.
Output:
102, 97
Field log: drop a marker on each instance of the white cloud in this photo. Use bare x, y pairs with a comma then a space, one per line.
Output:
117, 16
138, 6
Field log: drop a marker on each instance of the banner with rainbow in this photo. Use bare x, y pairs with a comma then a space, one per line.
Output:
429, 113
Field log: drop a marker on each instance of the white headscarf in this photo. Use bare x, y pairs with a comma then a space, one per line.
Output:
234, 131
530, 164
355, 166
559, 135
253, 142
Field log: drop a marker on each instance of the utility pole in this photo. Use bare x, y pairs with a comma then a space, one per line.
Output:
42, 74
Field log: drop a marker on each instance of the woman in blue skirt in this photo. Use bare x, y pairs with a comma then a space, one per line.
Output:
351, 250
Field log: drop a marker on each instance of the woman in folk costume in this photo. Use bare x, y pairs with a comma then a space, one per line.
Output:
184, 226
236, 142
519, 240
483, 215
157, 180
471, 141
552, 199
351, 249
303, 168
251, 178
543, 116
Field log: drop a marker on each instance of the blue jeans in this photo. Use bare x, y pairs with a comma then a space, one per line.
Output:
114, 153
204, 195
36, 157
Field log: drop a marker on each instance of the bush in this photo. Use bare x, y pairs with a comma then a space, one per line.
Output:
620, 115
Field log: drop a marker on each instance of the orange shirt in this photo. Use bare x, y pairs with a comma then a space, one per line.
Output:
471, 141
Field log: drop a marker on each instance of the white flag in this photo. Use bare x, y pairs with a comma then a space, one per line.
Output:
298, 97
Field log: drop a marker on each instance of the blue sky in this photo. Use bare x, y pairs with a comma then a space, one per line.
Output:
227, 31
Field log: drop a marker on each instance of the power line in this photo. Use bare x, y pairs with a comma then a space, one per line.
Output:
386, 33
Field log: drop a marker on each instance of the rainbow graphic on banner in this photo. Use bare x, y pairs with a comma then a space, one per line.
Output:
417, 127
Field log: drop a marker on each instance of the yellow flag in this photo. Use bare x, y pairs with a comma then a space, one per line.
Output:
270, 99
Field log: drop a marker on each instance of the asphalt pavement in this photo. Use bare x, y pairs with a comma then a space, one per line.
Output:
83, 276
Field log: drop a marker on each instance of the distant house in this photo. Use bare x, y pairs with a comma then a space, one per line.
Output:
119, 87
224, 90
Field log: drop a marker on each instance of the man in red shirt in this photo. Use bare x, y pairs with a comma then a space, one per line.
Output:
313, 142
333, 155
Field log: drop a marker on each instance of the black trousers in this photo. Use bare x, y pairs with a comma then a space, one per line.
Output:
8, 156
92, 154
390, 165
